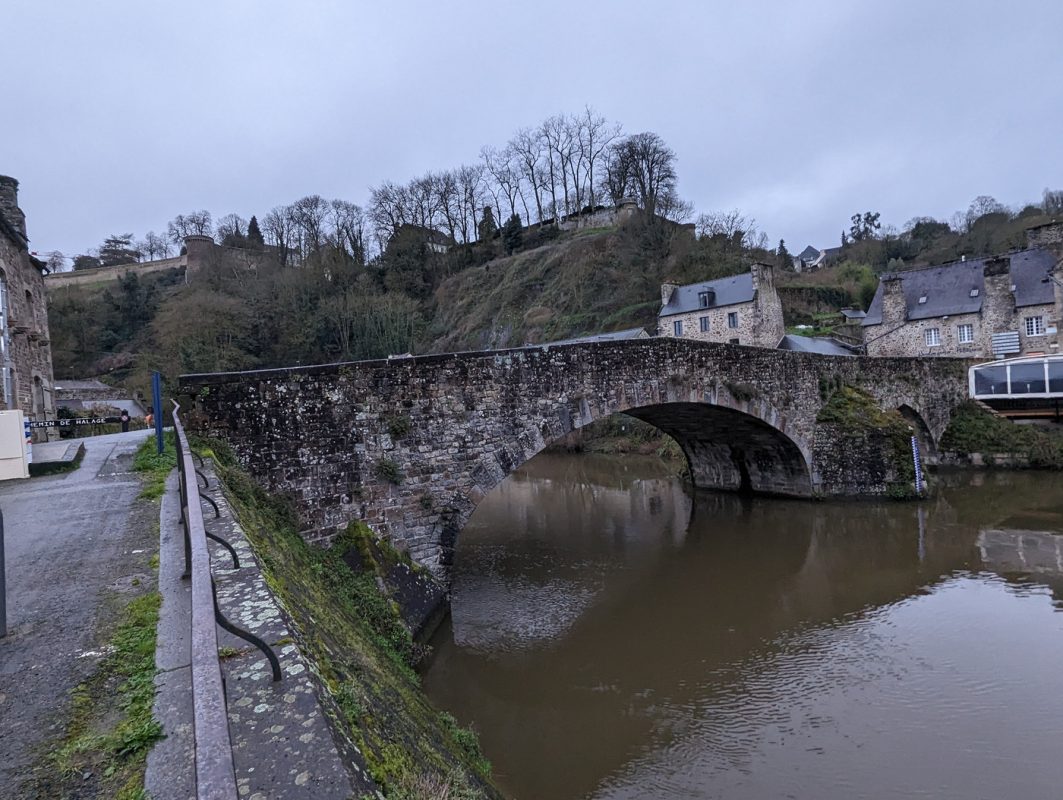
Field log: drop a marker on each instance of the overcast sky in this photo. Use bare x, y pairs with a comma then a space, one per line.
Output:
119, 115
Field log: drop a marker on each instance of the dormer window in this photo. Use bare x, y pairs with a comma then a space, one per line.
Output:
974, 293
704, 298
922, 299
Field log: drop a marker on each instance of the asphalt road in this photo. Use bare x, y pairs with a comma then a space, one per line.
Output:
74, 545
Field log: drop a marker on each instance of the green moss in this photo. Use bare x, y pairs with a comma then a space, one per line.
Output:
111, 748
856, 413
363, 652
398, 425
975, 430
742, 392
155, 467
388, 470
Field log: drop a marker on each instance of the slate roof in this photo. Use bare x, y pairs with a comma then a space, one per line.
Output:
853, 313
729, 291
809, 254
814, 344
947, 288
630, 333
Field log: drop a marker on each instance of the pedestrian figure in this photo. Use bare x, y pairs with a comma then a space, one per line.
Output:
124, 419
149, 419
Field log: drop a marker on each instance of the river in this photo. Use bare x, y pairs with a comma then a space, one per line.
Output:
614, 637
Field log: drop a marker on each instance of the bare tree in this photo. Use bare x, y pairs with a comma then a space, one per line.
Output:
730, 225
309, 214
389, 209
470, 189
278, 231
528, 149
230, 229
646, 167
1053, 201
557, 136
195, 223
506, 179
155, 246
982, 205
596, 134
347, 221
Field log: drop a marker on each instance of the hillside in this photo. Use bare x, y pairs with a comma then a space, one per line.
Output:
553, 285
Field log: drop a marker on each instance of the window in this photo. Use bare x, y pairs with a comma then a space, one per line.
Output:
704, 324
922, 300
732, 319
1035, 326
965, 333
677, 327
974, 293
703, 299
932, 336
734, 341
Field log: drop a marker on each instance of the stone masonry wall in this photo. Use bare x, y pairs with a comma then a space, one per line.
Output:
898, 336
26, 314
412, 445
760, 321
745, 333
107, 274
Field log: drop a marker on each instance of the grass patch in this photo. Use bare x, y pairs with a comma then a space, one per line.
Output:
975, 430
362, 651
154, 467
111, 726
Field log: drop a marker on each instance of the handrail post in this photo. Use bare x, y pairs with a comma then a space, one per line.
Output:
3, 581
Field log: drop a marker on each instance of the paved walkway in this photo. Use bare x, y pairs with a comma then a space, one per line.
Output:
74, 545
283, 747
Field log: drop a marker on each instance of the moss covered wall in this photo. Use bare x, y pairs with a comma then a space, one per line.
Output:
362, 650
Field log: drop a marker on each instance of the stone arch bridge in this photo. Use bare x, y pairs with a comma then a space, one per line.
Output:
410, 445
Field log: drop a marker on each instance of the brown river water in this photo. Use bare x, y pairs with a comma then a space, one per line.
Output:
614, 637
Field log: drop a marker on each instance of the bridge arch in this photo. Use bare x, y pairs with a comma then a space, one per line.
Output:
923, 434
730, 445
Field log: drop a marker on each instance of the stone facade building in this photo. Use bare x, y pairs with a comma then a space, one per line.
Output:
993, 307
25, 350
741, 309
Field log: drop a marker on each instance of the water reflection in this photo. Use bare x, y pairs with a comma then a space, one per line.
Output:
613, 637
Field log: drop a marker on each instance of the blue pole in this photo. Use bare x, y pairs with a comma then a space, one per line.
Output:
156, 402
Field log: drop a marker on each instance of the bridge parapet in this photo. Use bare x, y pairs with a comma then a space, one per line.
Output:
411, 445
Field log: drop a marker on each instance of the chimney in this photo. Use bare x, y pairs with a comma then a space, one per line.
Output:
666, 292
894, 307
763, 275
9, 209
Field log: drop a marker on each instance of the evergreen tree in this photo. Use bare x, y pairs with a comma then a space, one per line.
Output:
786, 261
488, 228
254, 233
513, 234
118, 249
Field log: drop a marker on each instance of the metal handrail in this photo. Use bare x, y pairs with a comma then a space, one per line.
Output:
215, 773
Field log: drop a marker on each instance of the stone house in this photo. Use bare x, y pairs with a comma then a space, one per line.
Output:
809, 260
25, 350
978, 308
740, 309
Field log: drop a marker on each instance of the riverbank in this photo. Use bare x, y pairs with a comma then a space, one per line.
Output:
622, 434
977, 437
